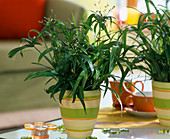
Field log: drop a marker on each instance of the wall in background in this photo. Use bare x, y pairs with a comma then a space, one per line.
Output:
96, 4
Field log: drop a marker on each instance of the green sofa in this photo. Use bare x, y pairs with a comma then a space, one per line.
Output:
17, 96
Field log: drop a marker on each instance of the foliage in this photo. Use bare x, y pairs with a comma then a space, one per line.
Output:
152, 43
75, 62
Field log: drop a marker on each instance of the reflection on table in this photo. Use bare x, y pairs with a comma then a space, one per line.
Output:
139, 126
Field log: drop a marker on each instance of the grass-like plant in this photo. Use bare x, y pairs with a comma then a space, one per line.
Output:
152, 43
75, 62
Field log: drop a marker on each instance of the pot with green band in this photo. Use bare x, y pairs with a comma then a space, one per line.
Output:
77, 122
161, 96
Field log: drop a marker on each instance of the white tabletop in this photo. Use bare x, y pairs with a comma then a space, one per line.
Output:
146, 133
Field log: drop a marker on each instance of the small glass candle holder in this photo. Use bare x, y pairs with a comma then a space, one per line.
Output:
39, 130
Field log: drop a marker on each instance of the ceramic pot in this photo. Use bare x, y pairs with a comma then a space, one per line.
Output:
161, 96
77, 123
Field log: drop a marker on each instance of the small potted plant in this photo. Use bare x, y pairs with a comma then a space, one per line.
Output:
78, 66
152, 55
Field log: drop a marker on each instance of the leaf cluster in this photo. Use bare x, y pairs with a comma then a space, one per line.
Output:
152, 43
75, 62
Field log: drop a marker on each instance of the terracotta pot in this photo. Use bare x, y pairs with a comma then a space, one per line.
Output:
76, 122
161, 96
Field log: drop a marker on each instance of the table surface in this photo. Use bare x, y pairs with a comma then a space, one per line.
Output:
145, 133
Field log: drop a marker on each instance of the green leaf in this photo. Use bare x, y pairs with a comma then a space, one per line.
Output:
35, 38
147, 5
109, 45
55, 89
107, 84
74, 64
167, 51
40, 74
47, 83
27, 40
80, 95
50, 89
74, 97
105, 30
46, 51
80, 77
73, 19
16, 50
84, 80
42, 65
97, 74
112, 59
86, 58
82, 64
63, 89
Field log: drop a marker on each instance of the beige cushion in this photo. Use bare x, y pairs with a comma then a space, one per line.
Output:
17, 62
64, 9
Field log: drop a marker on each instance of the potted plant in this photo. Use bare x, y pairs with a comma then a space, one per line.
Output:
77, 65
152, 55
